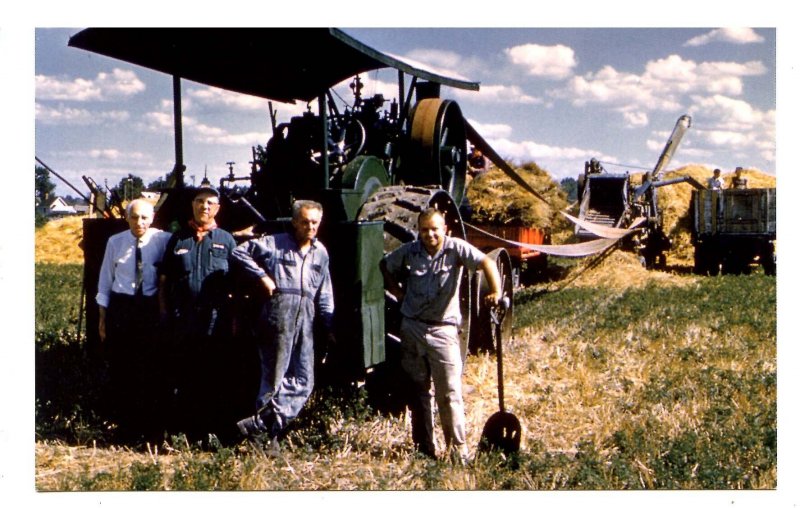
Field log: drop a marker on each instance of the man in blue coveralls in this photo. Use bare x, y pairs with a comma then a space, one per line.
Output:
424, 275
293, 269
194, 302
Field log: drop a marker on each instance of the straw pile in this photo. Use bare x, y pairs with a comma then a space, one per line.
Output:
497, 199
57, 241
619, 271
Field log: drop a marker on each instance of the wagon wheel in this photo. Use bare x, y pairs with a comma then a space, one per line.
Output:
482, 330
438, 147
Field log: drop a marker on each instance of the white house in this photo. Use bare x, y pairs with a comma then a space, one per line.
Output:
60, 207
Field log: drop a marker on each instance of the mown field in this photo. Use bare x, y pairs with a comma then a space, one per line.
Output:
621, 378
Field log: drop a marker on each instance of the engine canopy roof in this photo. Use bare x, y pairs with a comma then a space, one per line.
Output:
281, 64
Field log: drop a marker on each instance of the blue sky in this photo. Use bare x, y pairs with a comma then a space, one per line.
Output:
555, 96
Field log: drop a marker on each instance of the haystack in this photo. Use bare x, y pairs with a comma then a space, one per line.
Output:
496, 199
618, 271
57, 241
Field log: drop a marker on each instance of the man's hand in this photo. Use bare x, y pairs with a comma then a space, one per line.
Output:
492, 299
101, 323
493, 278
397, 292
269, 284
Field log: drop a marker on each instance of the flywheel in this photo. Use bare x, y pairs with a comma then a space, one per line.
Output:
437, 150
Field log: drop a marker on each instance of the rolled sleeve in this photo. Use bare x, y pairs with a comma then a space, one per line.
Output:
246, 256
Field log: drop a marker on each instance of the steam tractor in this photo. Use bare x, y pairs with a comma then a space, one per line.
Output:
612, 200
372, 163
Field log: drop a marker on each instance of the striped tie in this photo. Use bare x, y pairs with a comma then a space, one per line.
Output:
139, 271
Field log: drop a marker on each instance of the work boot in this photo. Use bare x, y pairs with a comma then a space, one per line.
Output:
459, 455
250, 427
272, 448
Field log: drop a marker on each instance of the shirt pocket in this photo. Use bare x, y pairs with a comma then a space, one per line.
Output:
418, 281
442, 276
184, 260
314, 276
219, 258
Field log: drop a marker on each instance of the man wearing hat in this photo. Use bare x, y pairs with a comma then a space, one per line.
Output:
195, 303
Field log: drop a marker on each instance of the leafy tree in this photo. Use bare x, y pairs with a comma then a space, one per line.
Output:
44, 186
43, 192
161, 183
570, 187
129, 187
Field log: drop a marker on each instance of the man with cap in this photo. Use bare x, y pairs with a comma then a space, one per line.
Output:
128, 317
738, 181
195, 302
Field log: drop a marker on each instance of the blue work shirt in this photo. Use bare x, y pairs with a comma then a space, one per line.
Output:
197, 275
432, 283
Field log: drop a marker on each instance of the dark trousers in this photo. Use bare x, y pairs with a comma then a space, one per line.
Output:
210, 376
136, 374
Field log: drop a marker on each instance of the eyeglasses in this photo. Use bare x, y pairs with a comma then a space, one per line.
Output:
210, 202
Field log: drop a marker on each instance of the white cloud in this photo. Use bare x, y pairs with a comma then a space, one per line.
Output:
636, 118
436, 61
491, 130
734, 126
552, 62
106, 86
209, 135
727, 35
108, 155
621, 90
732, 114
160, 121
62, 115
218, 97
497, 94
559, 161
663, 86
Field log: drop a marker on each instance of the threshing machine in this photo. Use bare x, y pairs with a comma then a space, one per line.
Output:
372, 163
612, 200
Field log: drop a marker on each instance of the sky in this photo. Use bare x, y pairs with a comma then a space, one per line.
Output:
554, 96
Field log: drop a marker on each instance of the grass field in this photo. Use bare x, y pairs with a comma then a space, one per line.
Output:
622, 379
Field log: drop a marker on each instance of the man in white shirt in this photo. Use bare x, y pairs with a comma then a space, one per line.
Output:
129, 317
716, 182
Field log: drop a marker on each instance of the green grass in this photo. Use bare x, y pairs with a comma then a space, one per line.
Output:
672, 386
